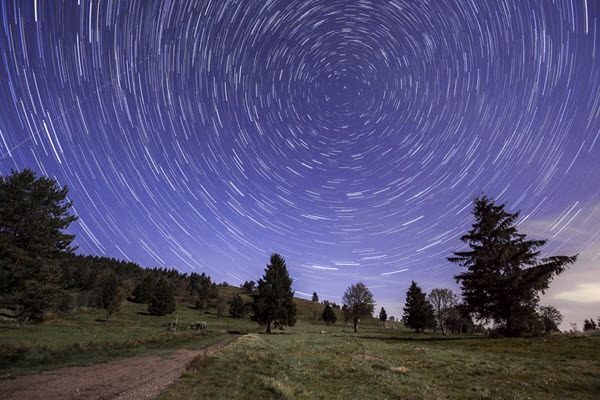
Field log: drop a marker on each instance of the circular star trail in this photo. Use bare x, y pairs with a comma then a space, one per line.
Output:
351, 137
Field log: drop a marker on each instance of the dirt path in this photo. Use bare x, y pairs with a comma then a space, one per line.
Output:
131, 378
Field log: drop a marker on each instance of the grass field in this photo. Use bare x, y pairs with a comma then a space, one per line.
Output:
377, 363
85, 339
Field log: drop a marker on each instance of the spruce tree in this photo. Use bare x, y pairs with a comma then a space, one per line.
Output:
273, 300
315, 298
329, 315
418, 313
112, 295
33, 216
504, 275
162, 302
145, 290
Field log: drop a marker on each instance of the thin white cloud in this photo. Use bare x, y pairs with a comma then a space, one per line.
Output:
584, 293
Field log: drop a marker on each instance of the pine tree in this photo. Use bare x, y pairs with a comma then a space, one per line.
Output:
329, 315
315, 298
163, 301
237, 307
33, 216
504, 275
418, 313
383, 316
145, 290
359, 303
273, 300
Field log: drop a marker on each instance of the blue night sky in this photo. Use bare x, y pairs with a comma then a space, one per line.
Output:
349, 136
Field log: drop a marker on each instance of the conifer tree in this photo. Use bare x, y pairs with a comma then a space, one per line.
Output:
504, 275
418, 313
383, 316
315, 298
329, 315
33, 216
203, 289
145, 290
273, 300
163, 301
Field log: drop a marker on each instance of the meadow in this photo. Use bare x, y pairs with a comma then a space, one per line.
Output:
84, 338
376, 363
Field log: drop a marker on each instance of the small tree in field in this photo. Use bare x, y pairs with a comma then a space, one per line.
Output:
34, 214
589, 325
383, 316
551, 318
329, 315
237, 307
145, 290
418, 313
112, 295
443, 302
163, 301
273, 300
315, 298
504, 275
359, 302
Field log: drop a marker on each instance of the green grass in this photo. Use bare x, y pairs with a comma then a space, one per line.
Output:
85, 339
394, 364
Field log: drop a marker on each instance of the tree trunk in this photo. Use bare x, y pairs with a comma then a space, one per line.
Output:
269, 327
355, 325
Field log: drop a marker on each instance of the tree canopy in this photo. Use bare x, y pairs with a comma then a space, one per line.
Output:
273, 299
359, 302
34, 214
328, 315
163, 301
504, 275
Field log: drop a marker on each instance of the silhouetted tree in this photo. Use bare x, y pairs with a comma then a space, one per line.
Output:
504, 275
383, 316
273, 300
162, 302
145, 290
329, 315
589, 325
315, 298
248, 286
551, 318
418, 313
33, 216
442, 301
359, 302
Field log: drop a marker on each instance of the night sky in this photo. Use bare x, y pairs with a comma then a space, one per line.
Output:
349, 136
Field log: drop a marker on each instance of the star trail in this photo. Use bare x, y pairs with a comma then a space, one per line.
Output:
348, 136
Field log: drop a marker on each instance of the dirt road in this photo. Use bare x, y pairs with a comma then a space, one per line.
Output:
131, 378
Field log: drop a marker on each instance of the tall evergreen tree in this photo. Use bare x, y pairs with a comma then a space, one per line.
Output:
383, 316
504, 275
328, 315
359, 302
145, 290
163, 301
418, 313
33, 216
315, 298
273, 300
